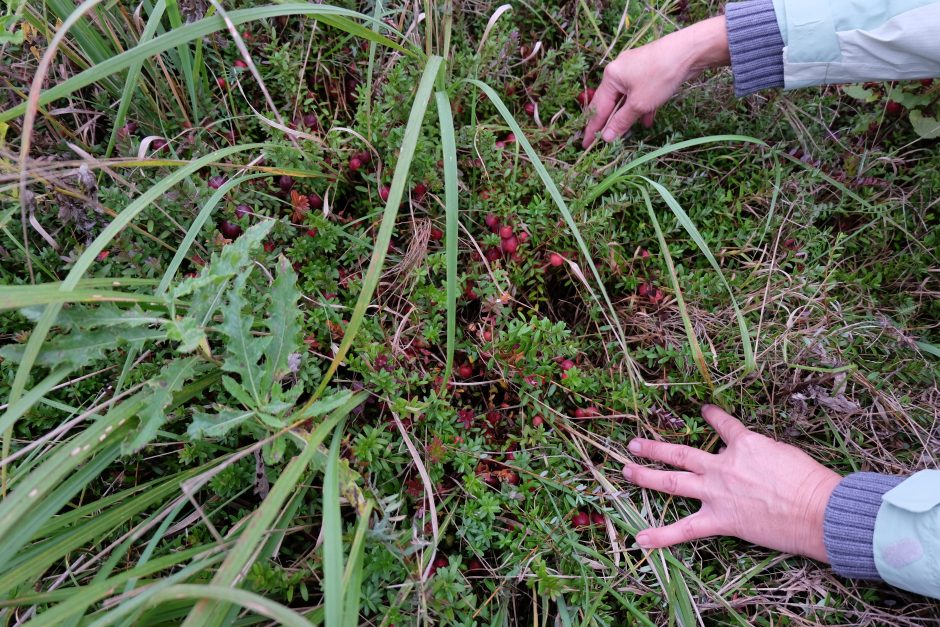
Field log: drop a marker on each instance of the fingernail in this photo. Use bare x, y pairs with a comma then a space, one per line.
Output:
643, 540
635, 447
628, 473
609, 135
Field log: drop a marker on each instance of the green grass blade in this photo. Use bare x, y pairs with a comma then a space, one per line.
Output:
697, 354
689, 226
449, 148
133, 75
221, 594
87, 258
617, 174
19, 296
399, 180
332, 536
185, 56
334, 16
352, 579
245, 551
566, 214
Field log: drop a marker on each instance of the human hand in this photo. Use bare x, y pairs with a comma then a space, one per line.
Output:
640, 80
757, 489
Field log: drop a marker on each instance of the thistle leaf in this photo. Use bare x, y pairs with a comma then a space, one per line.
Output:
171, 380
76, 350
242, 350
284, 324
206, 425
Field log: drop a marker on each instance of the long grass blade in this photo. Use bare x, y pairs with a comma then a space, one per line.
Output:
396, 192
689, 226
133, 75
449, 148
243, 554
618, 174
332, 536
249, 600
333, 16
697, 354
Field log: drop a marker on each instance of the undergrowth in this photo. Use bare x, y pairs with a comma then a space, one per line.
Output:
320, 314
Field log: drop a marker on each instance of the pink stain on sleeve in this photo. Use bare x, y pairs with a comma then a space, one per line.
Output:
902, 553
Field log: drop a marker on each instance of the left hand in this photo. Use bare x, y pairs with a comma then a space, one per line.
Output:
758, 489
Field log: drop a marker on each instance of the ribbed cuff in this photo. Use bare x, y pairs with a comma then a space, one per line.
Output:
849, 525
756, 46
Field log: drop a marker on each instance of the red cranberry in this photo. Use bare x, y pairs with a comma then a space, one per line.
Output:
229, 230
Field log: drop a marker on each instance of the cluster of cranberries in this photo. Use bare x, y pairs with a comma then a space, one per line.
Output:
509, 240
583, 520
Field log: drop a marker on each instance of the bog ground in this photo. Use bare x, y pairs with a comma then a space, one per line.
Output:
320, 313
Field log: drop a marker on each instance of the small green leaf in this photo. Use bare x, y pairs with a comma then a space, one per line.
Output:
860, 93
926, 127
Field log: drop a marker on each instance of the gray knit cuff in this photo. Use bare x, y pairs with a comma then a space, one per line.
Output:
849, 524
756, 46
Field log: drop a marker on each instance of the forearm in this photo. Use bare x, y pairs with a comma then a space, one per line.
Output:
886, 528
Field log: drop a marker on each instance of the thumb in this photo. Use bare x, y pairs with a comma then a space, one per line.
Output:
621, 122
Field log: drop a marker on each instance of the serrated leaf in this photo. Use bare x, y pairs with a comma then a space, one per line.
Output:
76, 350
205, 425
171, 380
236, 390
242, 350
187, 332
104, 315
206, 289
925, 126
283, 322
272, 421
227, 263
325, 405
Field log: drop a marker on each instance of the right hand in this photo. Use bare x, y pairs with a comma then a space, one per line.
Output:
640, 80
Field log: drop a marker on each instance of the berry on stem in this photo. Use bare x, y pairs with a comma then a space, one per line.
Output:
580, 520
556, 260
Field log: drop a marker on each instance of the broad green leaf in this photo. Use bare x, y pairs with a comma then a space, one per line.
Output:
243, 351
104, 315
81, 348
283, 322
171, 379
206, 425
925, 126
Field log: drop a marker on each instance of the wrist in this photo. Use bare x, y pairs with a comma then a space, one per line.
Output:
818, 494
707, 42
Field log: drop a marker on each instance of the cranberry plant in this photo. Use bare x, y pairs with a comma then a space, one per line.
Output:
322, 316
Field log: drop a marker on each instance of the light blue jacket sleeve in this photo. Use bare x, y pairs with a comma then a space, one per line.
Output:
906, 541
849, 41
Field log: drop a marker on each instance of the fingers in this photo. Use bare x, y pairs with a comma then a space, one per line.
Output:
621, 122
684, 457
603, 104
727, 426
694, 527
668, 481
